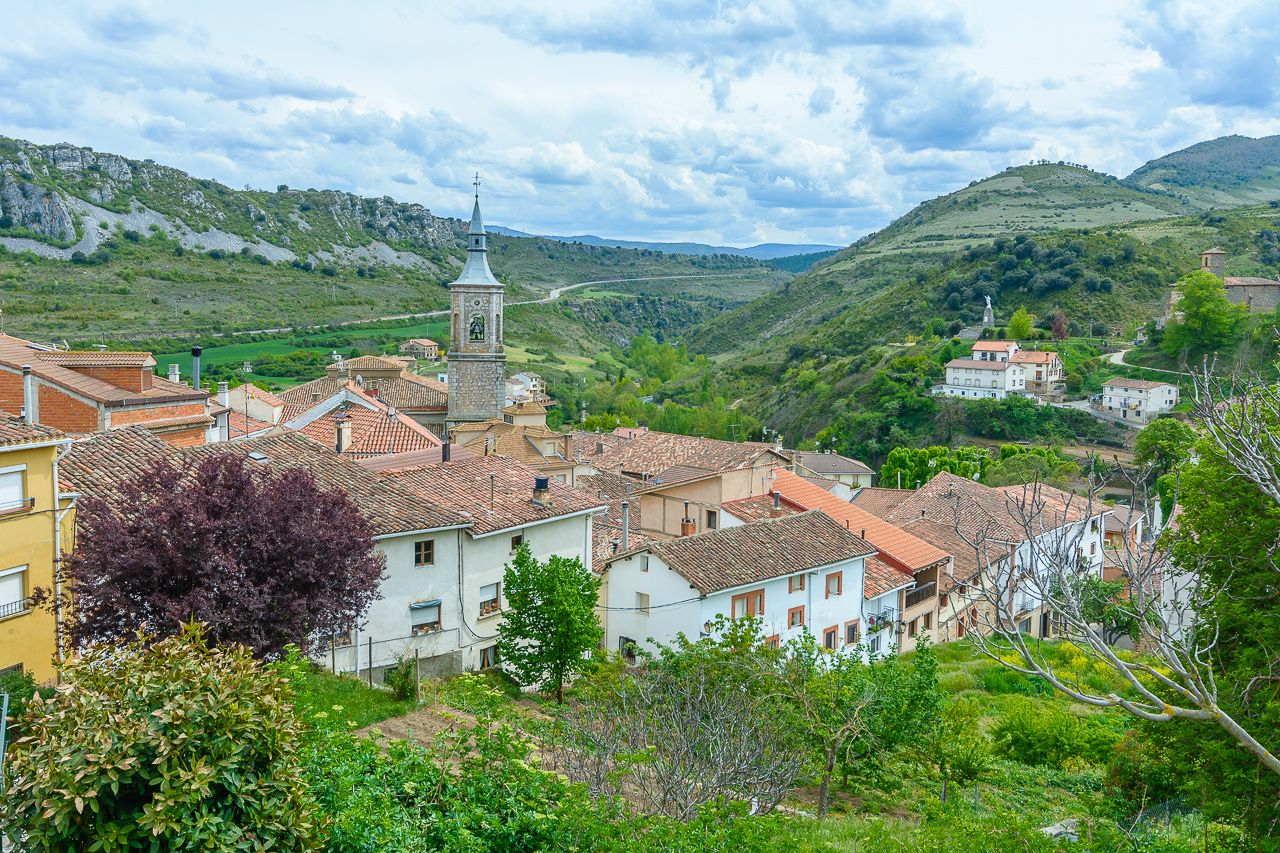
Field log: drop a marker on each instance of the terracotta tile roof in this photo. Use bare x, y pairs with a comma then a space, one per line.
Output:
749, 553
373, 432
909, 552
880, 502
412, 459
760, 507
525, 407
677, 474
978, 365
199, 419
1136, 384
829, 463
15, 352
611, 488
993, 346
524, 443
14, 430
606, 541
406, 392
390, 507
590, 445
879, 577
426, 342
966, 560
97, 464
463, 486
256, 393
372, 362
1034, 357
238, 423
95, 358
1249, 281
1122, 518
654, 452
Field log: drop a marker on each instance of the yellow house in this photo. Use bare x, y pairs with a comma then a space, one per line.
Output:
35, 518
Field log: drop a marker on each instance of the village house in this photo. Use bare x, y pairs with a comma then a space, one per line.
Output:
994, 350
1042, 371
988, 378
681, 480
1137, 400
521, 433
998, 537
526, 386
424, 400
1258, 294
423, 348
832, 466
359, 424
252, 411
36, 527
90, 391
795, 573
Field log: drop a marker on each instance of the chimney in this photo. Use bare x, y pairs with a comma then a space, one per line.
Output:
343, 429
174, 375
687, 527
599, 447
315, 396
29, 413
541, 491
195, 367
224, 394
626, 518
776, 511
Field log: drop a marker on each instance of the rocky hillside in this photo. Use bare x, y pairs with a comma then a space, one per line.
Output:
1227, 172
56, 200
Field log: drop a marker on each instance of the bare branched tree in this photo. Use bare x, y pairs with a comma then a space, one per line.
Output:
1043, 563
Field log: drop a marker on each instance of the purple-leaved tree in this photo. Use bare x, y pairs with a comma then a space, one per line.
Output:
263, 558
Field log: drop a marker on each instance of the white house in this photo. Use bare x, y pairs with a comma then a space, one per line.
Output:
994, 350
1138, 400
833, 466
1044, 371
976, 379
795, 573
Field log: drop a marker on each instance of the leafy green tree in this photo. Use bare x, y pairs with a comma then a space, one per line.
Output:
1163, 445
1205, 320
1020, 324
1018, 465
956, 746
915, 466
552, 621
1103, 604
171, 745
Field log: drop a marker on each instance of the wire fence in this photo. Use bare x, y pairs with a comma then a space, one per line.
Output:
368, 656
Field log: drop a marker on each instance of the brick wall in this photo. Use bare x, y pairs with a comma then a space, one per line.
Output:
140, 414
11, 392
65, 412
132, 378
190, 437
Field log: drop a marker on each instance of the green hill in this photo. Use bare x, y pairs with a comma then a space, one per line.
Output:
1227, 172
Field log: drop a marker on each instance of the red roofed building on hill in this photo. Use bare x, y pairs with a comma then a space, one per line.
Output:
90, 391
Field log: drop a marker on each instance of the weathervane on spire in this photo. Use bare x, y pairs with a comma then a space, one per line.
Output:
476, 184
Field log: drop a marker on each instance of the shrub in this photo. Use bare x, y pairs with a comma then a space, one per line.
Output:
172, 745
1001, 679
402, 677
1034, 733
21, 688
1224, 838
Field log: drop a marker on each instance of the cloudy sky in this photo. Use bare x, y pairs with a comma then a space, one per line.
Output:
736, 121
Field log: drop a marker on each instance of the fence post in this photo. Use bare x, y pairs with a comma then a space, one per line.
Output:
417, 679
370, 660
333, 654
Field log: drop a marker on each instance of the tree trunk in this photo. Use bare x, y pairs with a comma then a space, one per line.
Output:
944, 789
824, 790
559, 691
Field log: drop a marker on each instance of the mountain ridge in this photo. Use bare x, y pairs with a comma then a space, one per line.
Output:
760, 251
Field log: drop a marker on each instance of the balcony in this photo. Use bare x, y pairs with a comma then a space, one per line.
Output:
879, 621
921, 594
14, 608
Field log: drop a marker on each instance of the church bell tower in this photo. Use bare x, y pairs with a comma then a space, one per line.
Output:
477, 364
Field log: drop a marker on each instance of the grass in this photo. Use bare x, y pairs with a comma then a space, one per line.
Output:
322, 698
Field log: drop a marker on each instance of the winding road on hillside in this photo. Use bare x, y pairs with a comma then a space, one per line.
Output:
552, 296
1117, 358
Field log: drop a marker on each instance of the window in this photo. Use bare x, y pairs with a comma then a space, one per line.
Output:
852, 633
13, 491
873, 644
1025, 626
795, 617
835, 584
644, 560
627, 648
516, 542
748, 604
772, 642
489, 657
13, 591
340, 639
490, 598
642, 602
795, 583
713, 519
829, 638
424, 552
912, 626
426, 617
927, 621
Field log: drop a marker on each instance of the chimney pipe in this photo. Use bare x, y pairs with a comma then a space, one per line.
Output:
541, 491
687, 527
626, 518
29, 413
446, 450
224, 394
343, 429
777, 505
195, 366
174, 376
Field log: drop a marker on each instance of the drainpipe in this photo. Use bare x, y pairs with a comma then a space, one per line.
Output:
58, 515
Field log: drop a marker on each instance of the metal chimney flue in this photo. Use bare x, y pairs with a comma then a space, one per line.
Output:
195, 366
446, 451
541, 491
776, 510
174, 375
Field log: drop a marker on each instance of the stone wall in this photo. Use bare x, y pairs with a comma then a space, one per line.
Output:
477, 387
1260, 298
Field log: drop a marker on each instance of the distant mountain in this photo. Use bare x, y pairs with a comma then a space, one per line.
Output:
761, 252
1226, 172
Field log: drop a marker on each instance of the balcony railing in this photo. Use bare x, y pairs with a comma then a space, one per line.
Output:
922, 593
13, 608
880, 621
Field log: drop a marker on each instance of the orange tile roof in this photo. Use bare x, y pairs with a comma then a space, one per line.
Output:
238, 423
993, 346
908, 551
406, 392
374, 432
412, 458
95, 358
14, 430
650, 453
253, 391
1034, 357
879, 577
760, 507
